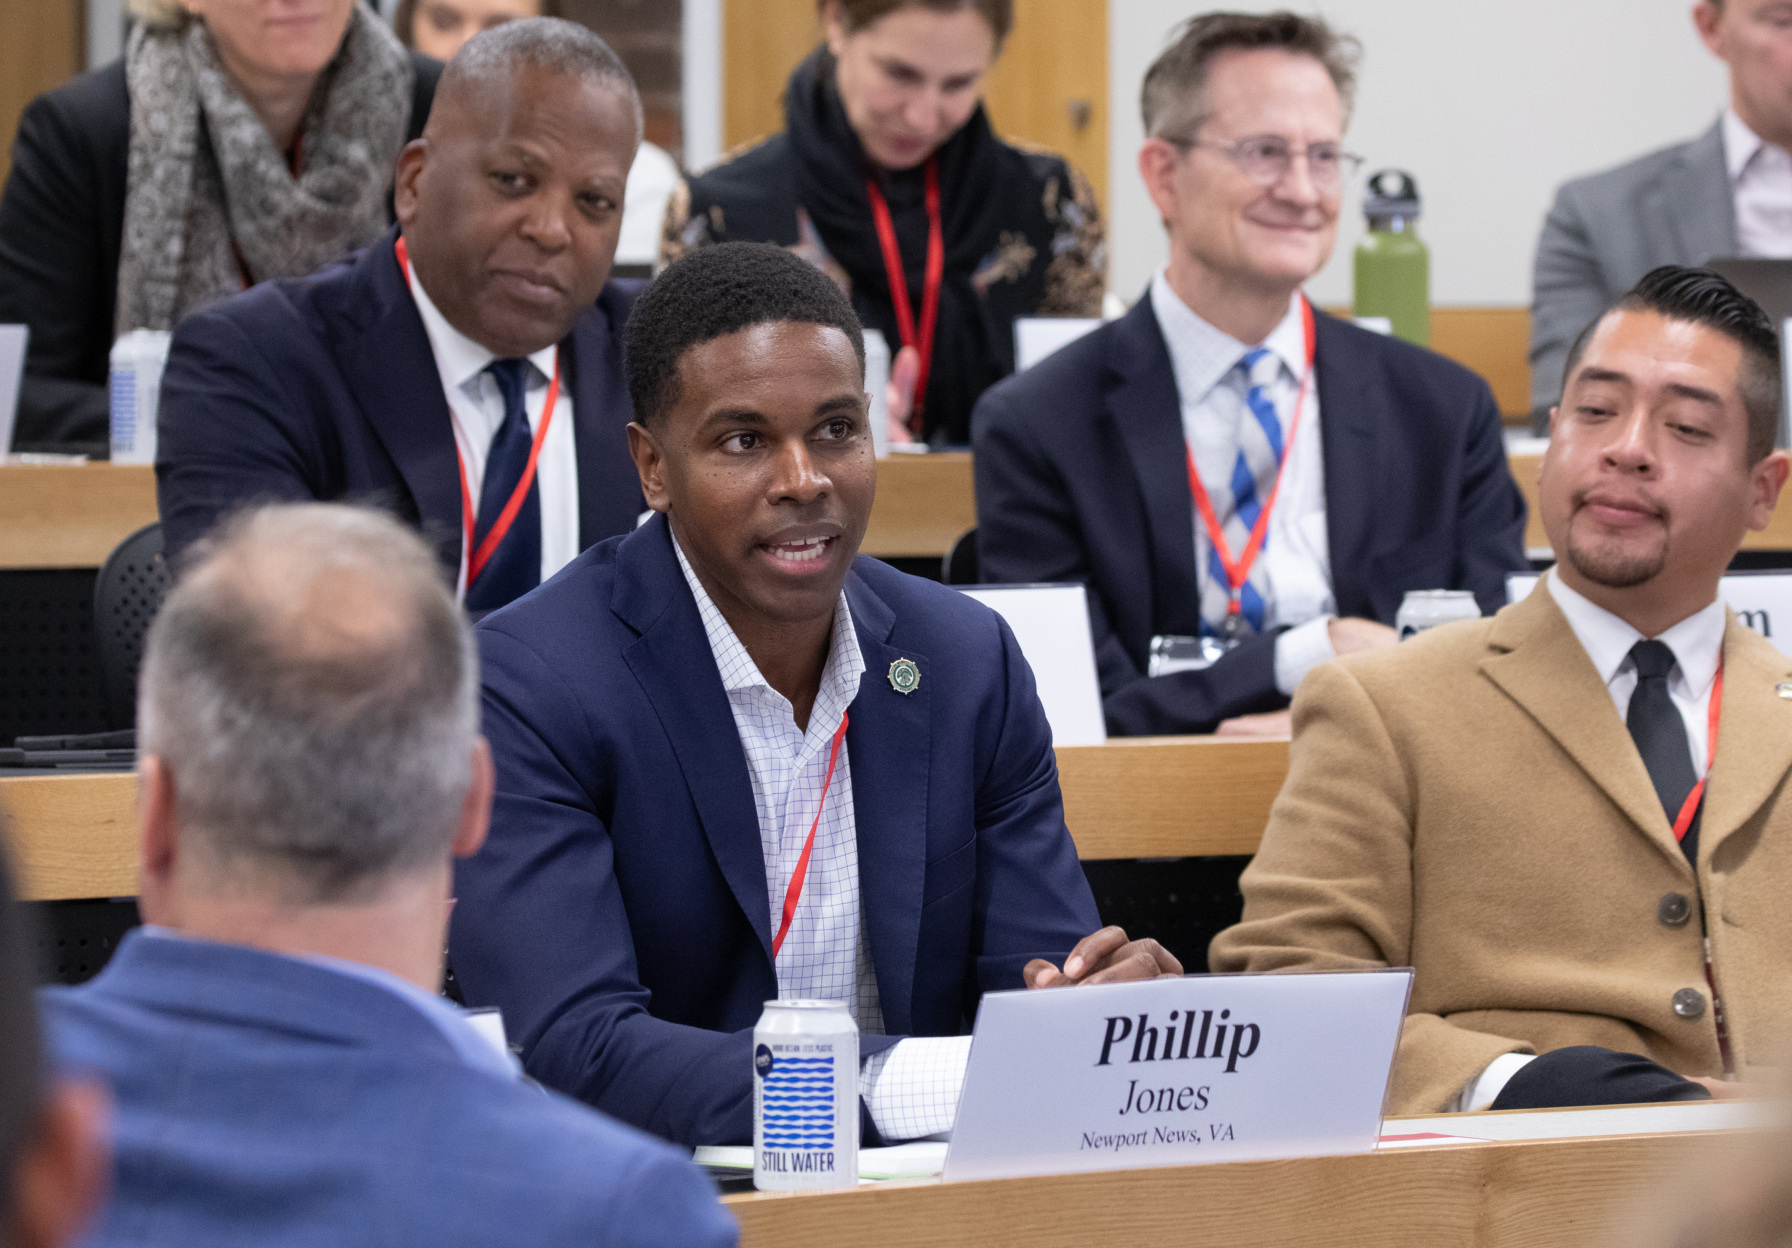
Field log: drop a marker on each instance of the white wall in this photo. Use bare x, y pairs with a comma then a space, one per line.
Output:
1489, 103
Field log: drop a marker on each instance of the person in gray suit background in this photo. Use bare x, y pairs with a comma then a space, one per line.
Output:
1726, 193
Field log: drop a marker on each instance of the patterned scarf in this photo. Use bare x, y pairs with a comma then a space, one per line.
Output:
207, 196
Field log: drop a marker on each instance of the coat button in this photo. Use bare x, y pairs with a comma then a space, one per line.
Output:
1689, 1003
1674, 910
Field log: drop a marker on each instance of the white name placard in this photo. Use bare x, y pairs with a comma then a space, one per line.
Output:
1761, 600
1174, 1072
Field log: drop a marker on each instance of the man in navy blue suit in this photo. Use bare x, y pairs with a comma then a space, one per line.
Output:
283, 1068
737, 762
1245, 485
465, 373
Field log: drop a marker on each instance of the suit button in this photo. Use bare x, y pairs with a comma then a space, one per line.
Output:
1674, 910
1689, 1003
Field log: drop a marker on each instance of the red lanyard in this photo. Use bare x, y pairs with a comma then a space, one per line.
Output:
930, 291
794, 893
1690, 806
1238, 570
494, 537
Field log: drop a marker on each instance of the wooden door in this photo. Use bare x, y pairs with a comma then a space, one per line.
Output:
42, 45
1050, 87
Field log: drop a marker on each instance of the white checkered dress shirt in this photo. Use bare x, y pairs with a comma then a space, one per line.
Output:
911, 1089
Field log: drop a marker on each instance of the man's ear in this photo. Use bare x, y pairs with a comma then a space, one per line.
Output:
404, 185
1765, 482
1157, 169
650, 463
158, 844
476, 811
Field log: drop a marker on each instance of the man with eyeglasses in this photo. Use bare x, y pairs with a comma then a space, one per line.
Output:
1247, 486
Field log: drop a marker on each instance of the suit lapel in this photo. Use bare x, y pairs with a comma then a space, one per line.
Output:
1147, 410
1348, 432
677, 671
1694, 201
888, 742
1541, 665
609, 489
389, 366
1754, 735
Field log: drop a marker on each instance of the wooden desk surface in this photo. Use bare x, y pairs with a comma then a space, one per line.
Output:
1154, 797
1535, 1194
71, 515
923, 503
1776, 536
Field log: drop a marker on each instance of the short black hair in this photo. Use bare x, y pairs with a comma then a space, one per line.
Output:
1684, 293
718, 290
547, 43
21, 1049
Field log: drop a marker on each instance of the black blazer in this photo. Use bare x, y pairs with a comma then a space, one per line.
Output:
326, 388
61, 229
1082, 476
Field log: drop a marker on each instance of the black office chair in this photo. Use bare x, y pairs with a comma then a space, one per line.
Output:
959, 567
126, 596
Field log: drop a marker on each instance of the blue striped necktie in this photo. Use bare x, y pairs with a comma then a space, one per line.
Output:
1253, 477
515, 566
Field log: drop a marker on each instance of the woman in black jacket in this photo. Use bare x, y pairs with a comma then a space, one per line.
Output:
888, 164
221, 150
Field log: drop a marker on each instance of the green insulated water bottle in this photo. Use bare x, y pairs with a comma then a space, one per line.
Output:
1393, 268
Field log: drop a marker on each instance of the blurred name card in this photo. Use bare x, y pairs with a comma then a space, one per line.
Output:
1051, 623
13, 340
1761, 600
1176, 1072
1036, 337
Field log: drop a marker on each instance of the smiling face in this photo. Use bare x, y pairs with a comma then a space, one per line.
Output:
268, 39
511, 202
1222, 220
764, 466
910, 79
1647, 489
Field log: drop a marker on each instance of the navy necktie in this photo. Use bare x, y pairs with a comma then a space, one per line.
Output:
1660, 735
515, 566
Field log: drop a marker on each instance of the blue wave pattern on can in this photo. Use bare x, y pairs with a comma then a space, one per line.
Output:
797, 1103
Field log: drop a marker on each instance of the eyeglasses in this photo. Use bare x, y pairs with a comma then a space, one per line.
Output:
1266, 159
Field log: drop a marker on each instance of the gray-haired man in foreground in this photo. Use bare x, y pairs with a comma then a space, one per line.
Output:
284, 1072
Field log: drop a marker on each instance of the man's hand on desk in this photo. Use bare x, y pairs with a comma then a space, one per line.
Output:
1268, 724
1107, 957
1350, 635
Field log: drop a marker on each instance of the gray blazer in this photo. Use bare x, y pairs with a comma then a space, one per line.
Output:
1606, 230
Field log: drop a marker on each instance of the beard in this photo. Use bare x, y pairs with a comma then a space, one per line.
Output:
1616, 569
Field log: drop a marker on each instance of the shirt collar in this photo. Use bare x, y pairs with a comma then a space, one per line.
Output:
447, 1018
1697, 641
459, 358
1741, 145
1201, 354
839, 678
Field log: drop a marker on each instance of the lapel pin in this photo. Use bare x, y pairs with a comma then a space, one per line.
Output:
905, 677
1785, 691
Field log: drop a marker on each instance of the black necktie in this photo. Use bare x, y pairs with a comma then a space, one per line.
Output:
515, 566
1660, 736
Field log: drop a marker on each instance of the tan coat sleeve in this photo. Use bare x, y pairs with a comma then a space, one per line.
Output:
1331, 885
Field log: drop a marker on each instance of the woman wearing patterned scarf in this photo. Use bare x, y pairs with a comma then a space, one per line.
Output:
892, 103
235, 141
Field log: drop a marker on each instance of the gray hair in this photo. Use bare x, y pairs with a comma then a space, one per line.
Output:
1173, 99
314, 691
547, 43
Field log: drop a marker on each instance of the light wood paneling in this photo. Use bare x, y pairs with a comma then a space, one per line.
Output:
71, 515
1050, 87
923, 503
1056, 56
1170, 797
1777, 536
1536, 1194
1146, 798
1494, 342
42, 45
72, 836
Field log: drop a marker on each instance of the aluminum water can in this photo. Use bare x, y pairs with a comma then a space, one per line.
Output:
805, 1097
1427, 608
135, 392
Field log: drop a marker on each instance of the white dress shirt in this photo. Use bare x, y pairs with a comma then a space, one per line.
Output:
1761, 181
912, 1088
1697, 643
476, 408
1296, 559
